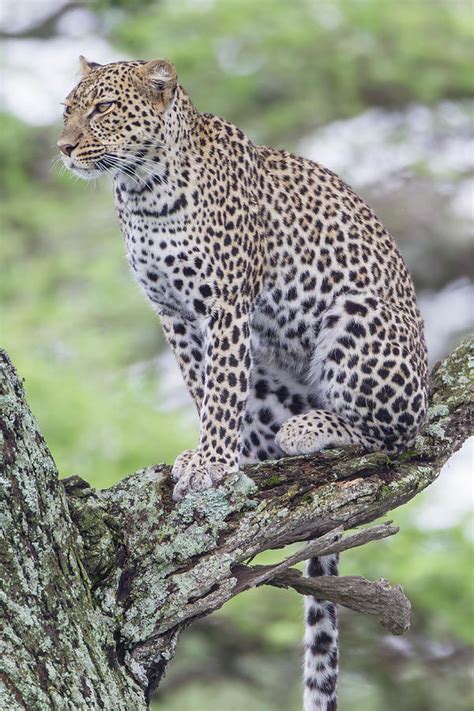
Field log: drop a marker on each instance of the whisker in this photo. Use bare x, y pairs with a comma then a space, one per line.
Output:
134, 155
149, 171
113, 162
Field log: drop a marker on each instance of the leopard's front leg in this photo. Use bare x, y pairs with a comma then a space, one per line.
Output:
226, 383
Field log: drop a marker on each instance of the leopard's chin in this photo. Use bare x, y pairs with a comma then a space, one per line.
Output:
84, 173
87, 174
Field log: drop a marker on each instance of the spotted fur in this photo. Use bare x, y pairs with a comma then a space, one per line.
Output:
287, 304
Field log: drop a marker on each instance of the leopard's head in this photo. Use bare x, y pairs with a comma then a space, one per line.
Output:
115, 114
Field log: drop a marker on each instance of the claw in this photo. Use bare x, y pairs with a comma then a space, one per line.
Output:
191, 473
198, 479
181, 463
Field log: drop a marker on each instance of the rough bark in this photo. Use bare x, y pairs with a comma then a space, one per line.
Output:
96, 585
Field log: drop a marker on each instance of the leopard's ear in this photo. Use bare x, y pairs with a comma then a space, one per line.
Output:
160, 76
86, 66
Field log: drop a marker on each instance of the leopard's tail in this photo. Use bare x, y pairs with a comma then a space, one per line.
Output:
321, 642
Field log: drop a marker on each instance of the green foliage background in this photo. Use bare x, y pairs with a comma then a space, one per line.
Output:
85, 341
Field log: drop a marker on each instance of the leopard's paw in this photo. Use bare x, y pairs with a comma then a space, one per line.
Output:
197, 475
313, 431
181, 463
298, 436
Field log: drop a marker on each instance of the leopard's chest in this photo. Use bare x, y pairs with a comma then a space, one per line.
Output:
159, 249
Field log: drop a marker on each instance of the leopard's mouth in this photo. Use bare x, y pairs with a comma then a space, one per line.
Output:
86, 173
111, 164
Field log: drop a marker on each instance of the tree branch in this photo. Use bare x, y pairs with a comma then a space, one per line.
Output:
379, 598
387, 602
45, 27
125, 569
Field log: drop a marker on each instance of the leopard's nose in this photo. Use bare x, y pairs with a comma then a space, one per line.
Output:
67, 148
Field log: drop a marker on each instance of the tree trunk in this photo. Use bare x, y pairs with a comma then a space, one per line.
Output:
96, 585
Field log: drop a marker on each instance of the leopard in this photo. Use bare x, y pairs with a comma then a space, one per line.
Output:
287, 304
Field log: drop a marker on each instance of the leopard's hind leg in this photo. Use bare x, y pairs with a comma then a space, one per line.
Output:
369, 376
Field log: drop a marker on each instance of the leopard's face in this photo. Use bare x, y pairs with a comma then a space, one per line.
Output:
114, 113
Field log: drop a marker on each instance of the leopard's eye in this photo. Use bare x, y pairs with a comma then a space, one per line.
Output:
67, 110
103, 107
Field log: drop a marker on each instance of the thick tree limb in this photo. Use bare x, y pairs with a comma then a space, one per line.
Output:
57, 647
98, 584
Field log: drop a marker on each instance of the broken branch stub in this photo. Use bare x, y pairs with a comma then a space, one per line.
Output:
387, 602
